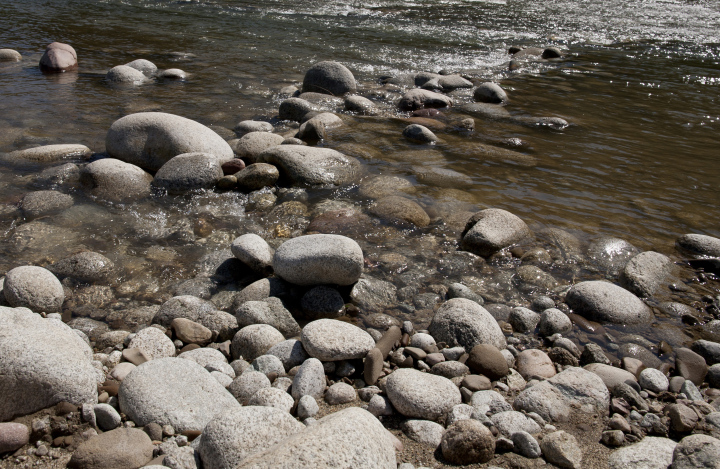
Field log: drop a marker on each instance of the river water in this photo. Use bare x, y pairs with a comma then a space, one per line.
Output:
639, 85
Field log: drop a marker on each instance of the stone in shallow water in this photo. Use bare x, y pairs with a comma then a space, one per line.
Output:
329, 77
611, 255
491, 230
124, 75
419, 99
699, 244
187, 172
400, 210
115, 180
35, 288
647, 273
319, 259
311, 166
604, 301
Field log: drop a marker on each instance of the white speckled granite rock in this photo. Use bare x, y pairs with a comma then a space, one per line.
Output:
333, 340
309, 380
153, 343
252, 341
421, 395
606, 302
272, 397
35, 288
650, 453
319, 259
424, 431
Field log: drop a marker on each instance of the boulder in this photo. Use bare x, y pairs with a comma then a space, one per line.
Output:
311, 166
58, 57
115, 180
603, 301
43, 362
151, 139
493, 229
330, 78
122, 448
319, 259
463, 322
187, 172
650, 453
421, 395
173, 391
351, 437
234, 436
333, 340
35, 288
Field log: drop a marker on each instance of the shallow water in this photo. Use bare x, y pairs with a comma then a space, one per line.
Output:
639, 85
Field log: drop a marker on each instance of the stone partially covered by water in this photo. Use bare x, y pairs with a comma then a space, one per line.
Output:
606, 302
311, 166
319, 259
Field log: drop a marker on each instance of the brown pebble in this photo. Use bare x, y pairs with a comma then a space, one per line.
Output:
272, 376
189, 347
373, 366
111, 388
191, 434
405, 340
135, 356
476, 383
64, 408
233, 166
388, 340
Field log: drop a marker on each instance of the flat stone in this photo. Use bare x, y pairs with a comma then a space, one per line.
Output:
122, 448
653, 380
190, 332
534, 362
200, 311
489, 402
48, 154
333, 340
605, 302
682, 418
87, 266
421, 395
39, 203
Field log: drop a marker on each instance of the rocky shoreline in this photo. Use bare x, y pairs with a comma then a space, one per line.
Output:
309, 335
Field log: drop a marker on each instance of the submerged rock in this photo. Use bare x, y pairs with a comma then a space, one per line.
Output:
699, 244
490, 93
115, 180
329, 78
419, 99
311, 166
58, 57
125, 75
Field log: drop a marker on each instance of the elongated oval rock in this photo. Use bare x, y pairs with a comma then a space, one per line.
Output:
421, 395
463, 322
35, 288
699, 244
48, 154
493, 229
122, 448
333, 340
319, 259
311, 166
603, 301
151, 139
173, 391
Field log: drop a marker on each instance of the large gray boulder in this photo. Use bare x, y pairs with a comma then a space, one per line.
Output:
319, 259
351, 437
421, 395
650, 453
188, 172
311, 166
151, 139
329, 78
647, 273
605, 302
333, 340
35, 288
173, 391
574, 389
43, 362
463, 322
115, 180
233, 436
492, 229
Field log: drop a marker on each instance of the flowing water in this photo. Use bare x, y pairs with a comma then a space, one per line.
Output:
639, 85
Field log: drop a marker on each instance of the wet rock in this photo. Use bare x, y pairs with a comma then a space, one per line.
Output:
88, 266
172, 391
187, 172
323, 302
254, 340
555, 398
603, 301
229, 439
13, 436
270, 311
462, 322
491, 230
309, 380
400, 210
295, 108
353, 434
638, 352
64, 175
419, 99
9, 55
311, 166
421, 395
332, 340
47, 154
145, 66
58, 57
124, 75
441, 177
35, 288
490, 93
690, 365
151, 139
468, 442
122, 448
523, 319
378, 187
115, 180
313, 130
420, 134
534, 362
646, 273
453, 82
172, 74
699, 244
562, 449
554, 321
329, 78
611, 255
696, 451
250, 145
247, 126
340, 393
39, 203
424, 432
486, 359
709, 350
200, 311
319, 259
360, 105
649, 453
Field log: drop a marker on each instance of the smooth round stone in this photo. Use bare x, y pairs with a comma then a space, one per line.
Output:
462, 322
230, 438
333, 340
603, 301
153, 343
9, 55
653, 380
319, 259
329, 77
523, 319
233, 167
562, 449
424, 432
272, 397
700, 244
107, 417
253, 251
171, 391
647, 273
554, 321
309, 380
420, 99
188, 172
244, 387
486, 359
244, 127
490, 93
256, 176
252, 341
13, 435
267, 364
307, 407
48, 153
250, 145
525, 445
421, 395
323, 302
510, 422
610, 375
340, 393
359, 105
420, 134
124, 75
294, 109
115, 180
401, 210
58, 57
696, 451
449, 369
88, 266
611, 255
121, 448
35, 288
534, 362
148, 68
488, 231
173, 74
467, 442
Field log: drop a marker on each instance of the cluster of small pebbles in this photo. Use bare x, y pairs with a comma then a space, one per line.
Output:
303, 349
